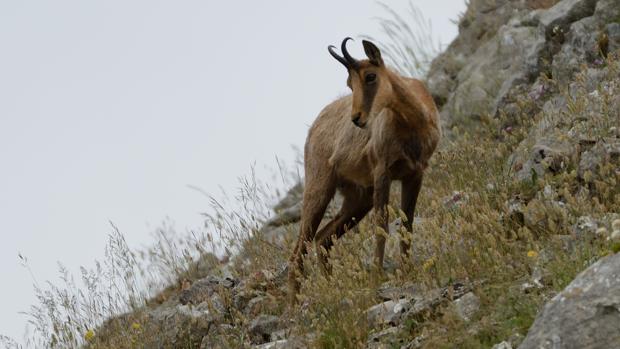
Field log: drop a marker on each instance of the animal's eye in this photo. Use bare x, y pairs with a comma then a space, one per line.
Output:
370, 78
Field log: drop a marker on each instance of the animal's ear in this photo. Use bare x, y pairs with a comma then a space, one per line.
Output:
373, 53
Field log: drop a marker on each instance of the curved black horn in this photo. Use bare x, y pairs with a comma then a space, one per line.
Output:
340, 59
352, 61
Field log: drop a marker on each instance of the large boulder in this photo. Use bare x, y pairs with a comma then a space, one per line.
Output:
509, 58
477, 26
503, 48
586, 314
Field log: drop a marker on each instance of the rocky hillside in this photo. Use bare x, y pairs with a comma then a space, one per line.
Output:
518, 227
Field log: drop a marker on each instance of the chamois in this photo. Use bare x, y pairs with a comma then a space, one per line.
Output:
387, 129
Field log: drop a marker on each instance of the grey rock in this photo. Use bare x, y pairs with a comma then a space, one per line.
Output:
607, 11
584, 226
472, 82
424, 307
182, 325
278, 344
440, 84
548, 154
262, 327
503, 345
613, 35
586, 314
280, 334
467, 306
604, 151
288, 215
564, 13
416, 343
580, 46
283, 339
416, 303
387, 338
529, 287
476, 28
508, 59
387, 313
202, 289
294, 343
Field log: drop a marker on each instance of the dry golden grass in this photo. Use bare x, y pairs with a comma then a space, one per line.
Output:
478, 240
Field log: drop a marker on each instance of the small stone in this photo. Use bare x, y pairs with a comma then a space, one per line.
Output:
384, 339
502, 345
262, 327
280, 334
467, 306
202, 289
389, 312
584, 225
527, 287
615, 236
279, 344
416, 343
286, 216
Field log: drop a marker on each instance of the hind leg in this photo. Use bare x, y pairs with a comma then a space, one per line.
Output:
357, 202
318, 192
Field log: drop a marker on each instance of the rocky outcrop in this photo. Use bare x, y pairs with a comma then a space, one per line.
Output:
509, 45
494, 68
586, 314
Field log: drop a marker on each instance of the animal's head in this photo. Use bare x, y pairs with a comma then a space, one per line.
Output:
368, 79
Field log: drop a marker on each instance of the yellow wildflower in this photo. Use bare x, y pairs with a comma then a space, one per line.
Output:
428, 264
89, 335
532, 254
136, 326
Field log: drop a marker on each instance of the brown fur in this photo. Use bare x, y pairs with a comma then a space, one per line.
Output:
399, 131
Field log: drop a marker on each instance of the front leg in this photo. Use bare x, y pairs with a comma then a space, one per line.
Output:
409, 197
381, 196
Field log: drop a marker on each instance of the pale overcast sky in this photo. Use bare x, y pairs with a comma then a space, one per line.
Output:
109, 109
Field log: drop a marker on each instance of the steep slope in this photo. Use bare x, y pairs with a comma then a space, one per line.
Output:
523, 195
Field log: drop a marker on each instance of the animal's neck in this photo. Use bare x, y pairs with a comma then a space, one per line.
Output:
412, 113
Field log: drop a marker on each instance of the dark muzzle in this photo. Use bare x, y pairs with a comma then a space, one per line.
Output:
356, 121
